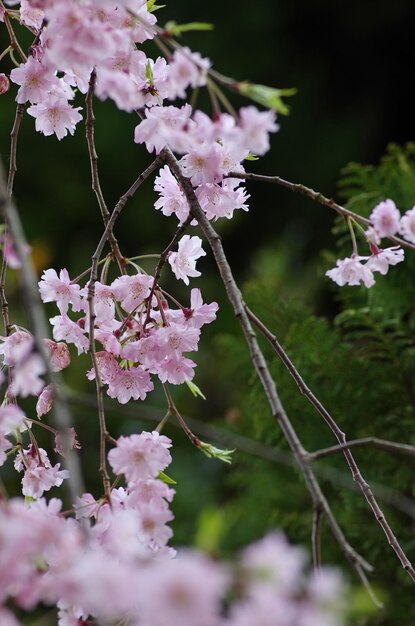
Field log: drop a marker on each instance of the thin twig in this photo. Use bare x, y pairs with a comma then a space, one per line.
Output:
278, 411
317, 197
341, 438
96, 185
34, 307
161, 262
316, 538
91, 295
366, 442
13, 41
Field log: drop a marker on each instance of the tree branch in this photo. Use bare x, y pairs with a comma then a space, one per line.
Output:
317, 197
341, 438
366, 442
278, 411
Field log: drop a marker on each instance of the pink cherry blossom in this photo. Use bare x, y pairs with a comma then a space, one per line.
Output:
16, 347
36, 80
64, 328
176, 370
12, 419
183, 262
385, 218
187, 68
107, 365
199, 313
55, 115
31, 16
131, 383
383, 258
350, 271
60, 290
407, 225
172, 198
59, 355
4, 81
45, 401
39, 474
5, 445
27, 376
67, 442
165, 125
139, 457
204, 164
256, 126
131, 291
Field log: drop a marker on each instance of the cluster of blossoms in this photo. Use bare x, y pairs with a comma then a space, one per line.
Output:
140, 334
112, 562
386, 221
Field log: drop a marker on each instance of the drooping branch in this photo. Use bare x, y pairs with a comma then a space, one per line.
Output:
278, 411
317, 197
341, 438
62, 418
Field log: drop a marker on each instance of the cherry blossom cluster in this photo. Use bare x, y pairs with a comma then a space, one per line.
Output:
111, 562
386, 221
141, 335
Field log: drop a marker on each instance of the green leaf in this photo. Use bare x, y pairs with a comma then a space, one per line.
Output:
216, 453
252, 157
269, 97
149, 74
195, 389
152, 6
166, 479
177, 29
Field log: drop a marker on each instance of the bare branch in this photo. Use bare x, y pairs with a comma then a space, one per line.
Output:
366, 442
341, 438
317, 197
316, 538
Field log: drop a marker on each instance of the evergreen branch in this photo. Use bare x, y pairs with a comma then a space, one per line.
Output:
317, 197
258, 360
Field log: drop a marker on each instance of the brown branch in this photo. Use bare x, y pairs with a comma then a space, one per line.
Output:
34, 307
317, 197
341, 438
366, 442
316, 537
13, 40
161, 262
278, 411
96, 185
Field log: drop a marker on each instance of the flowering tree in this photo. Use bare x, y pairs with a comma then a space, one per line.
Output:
139, 336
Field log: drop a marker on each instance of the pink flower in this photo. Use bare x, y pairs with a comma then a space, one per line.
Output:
30, 16
5, 445
59, 355
256, 126
45, 401
12, 419
4, 81
187, 68
183, 262
132, 383
165, 125
176, 370
350, 271
55, 115
177, 339
204, 164
139, 457
385, 218
60, 290
39, 474
131, 291
172, 199
36, 80
66, 329
27, 376
16, 347
381, 259
407, 226
107, 365
199, 313
69, 442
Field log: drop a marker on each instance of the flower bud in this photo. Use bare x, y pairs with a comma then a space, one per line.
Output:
4, 84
